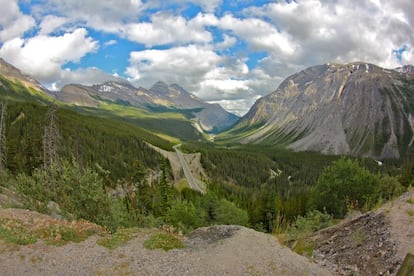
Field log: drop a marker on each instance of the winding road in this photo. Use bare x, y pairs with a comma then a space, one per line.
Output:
192, 182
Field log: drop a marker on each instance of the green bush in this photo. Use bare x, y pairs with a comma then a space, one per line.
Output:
311, 222
345, 183
228, 213
77, 191
185, 216
390, 187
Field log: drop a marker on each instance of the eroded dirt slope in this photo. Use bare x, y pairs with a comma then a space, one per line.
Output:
374, 243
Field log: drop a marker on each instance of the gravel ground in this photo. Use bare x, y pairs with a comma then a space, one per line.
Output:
216, 250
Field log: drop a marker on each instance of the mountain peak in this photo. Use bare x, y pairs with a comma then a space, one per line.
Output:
356, 108
160, 87
13, 73
407, 69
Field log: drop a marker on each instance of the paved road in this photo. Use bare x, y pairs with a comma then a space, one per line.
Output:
192, 182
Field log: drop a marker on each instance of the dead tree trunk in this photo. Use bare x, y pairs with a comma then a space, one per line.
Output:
3, 148
50, 140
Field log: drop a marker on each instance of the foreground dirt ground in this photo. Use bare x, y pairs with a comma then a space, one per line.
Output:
216, 250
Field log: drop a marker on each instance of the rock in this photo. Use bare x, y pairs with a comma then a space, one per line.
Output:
54, 210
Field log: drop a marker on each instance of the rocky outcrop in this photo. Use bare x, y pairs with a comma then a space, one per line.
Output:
358, 108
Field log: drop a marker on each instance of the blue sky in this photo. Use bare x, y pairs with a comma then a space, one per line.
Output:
226, 52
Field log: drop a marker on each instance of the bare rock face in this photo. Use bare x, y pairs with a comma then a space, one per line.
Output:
358, 108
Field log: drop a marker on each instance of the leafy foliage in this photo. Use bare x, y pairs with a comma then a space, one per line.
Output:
345, 183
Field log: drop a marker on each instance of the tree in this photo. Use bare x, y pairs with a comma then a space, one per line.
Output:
343, 184
228, 213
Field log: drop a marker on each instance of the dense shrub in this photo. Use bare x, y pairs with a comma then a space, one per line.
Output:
345, 183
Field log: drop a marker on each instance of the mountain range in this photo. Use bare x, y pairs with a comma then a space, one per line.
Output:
357, 108
160, 97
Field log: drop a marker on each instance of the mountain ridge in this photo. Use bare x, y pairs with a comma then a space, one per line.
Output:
357, 108
207, 117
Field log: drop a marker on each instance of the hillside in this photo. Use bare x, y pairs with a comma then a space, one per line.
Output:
358, 109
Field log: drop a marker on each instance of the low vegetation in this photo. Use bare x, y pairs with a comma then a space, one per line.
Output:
50, 231
119, 238
166, 241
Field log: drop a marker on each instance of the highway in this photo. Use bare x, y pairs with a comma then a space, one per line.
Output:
192, 182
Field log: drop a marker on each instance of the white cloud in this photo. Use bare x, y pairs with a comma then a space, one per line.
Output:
50, 23
341, 31
110, 42
12, 22
109, 11
183, 65
260, 35
85, 76
43, 56
166, 28
228, 42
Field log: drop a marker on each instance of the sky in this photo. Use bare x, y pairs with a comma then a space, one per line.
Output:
223, 51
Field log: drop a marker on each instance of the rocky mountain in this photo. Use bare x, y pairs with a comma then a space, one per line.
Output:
208, 117
12, 73
357, 108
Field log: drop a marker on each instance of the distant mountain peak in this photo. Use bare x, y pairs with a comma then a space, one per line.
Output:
406, 69
160, 87
210, 118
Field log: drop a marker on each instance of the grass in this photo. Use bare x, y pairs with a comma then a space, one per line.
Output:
120, 237
166, 241
410, 200
410, 213
359, 237
182, 184
303, 247
16, 235
13, 231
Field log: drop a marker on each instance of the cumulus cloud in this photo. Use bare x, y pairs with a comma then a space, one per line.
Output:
85, 76
109, 11
43, 56
50, 23
13, 23
259, 34
185, 65
341, 31
166, 28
